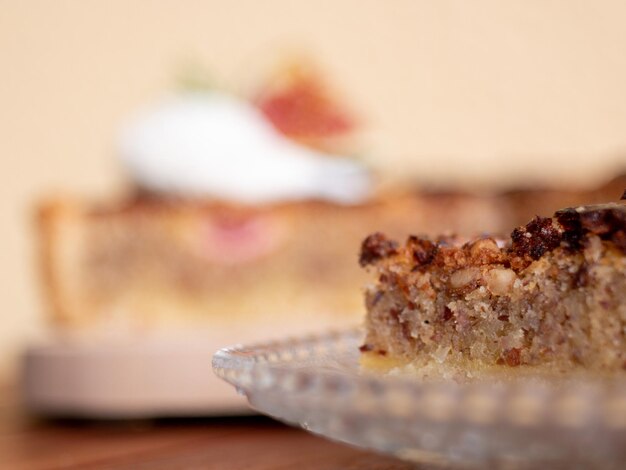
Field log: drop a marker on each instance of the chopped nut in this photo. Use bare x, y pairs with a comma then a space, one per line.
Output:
500, 281
512, 357
484, 244
486, 251
464, 277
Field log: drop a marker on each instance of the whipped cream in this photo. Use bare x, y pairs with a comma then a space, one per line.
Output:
209, 144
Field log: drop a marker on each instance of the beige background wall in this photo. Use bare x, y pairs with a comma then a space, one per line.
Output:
452, 90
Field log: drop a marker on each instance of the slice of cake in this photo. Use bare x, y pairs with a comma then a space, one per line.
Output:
553, 297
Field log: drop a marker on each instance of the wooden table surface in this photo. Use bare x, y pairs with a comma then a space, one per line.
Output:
237, 443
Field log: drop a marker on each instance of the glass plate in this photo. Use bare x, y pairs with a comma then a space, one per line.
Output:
315, 382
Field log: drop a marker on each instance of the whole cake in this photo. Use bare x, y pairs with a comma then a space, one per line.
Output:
553, 297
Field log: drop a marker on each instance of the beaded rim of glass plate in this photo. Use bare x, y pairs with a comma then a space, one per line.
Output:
315, 382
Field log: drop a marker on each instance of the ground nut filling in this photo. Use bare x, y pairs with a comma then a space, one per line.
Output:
553, 296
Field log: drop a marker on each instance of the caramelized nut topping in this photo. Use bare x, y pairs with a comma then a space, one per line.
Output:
537, 237
608, 221
376, 247
424, 250
570, 228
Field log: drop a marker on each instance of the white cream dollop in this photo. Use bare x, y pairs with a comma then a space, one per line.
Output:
210, 144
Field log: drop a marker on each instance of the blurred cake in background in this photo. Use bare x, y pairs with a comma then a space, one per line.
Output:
238, 223
231, 222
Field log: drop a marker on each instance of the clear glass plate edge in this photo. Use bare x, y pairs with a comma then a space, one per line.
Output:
312, 382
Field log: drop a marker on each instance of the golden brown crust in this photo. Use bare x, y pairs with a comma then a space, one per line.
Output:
50, 216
